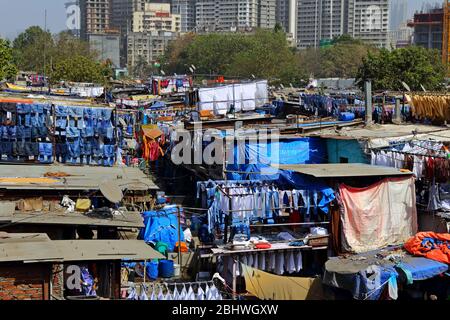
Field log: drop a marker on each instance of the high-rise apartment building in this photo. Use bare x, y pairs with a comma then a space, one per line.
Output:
186, 10
428, 28
147, 46
319, 20
235, 15
368, 20
286, 15
95, 17
155, 17
322, 20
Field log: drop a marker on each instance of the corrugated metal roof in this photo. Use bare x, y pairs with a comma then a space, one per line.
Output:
36, 247
81, 177
127, 220
341, 170
77, 250
29, 248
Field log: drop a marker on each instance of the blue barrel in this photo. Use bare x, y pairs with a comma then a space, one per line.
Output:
346, 116
166, 268
152, 269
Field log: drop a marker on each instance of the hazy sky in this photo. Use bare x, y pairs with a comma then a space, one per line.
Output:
17, 15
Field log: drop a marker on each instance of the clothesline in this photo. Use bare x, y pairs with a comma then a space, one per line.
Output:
289, 224
413, 154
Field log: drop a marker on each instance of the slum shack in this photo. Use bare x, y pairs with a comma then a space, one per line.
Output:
33, 267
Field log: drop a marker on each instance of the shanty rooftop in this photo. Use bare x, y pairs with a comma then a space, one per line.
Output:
387, 131
22, 177
37, 247
341, 170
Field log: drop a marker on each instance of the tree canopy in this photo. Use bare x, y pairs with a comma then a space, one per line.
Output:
413, 65
62, 52
8, 69
341, 59
79, 69
264, 54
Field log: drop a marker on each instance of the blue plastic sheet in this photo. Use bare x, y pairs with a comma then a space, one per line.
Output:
162, 226
253, 161
423, 268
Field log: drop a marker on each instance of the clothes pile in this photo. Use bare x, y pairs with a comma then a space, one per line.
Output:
431, 245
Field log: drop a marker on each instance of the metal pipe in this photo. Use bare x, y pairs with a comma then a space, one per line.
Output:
179, 236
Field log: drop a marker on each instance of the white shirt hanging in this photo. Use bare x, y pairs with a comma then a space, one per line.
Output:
132, 295
153, 295
190, 294
255, 260
262, 261
208, 295
176, 294
272, 262
200, 294
143, 295
183, 293
161, 294
279, 264
298, 261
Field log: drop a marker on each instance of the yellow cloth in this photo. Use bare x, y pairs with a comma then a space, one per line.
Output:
83, 205
143, 97
429, 106
267, 286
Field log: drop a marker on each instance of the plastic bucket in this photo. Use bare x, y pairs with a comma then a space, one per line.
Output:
166, 268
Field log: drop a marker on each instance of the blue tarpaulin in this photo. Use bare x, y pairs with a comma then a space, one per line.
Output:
255, 161
161, 226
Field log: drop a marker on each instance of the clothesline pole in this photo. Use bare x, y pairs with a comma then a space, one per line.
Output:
145, 271
234, 279
179, 236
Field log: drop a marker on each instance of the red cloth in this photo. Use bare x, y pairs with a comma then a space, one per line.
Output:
420, 245
263, 246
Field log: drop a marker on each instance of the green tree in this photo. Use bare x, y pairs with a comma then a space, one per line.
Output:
30, 48
66, 45
413, 65
80, 69
265, 54
141, 69
342, 59
8, 69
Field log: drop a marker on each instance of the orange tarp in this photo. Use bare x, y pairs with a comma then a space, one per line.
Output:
430, 245
28, 180
16, 100
152, 133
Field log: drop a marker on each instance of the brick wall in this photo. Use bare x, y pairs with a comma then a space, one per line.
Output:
57, 282
24, 282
